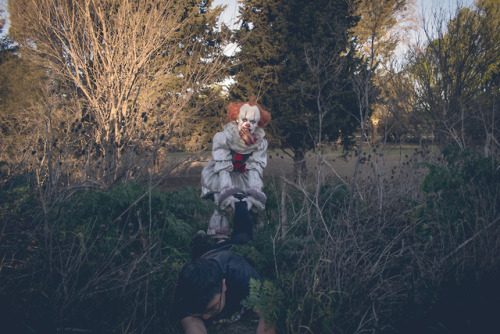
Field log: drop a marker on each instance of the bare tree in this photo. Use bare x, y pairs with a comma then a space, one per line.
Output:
455, 73
134, 65
382, 27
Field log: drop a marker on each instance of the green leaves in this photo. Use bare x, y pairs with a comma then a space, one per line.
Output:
461, 195
294, 59
266, 299
457, 77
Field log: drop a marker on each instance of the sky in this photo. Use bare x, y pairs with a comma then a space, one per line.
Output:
424, 8
423, 5
230, 14
3, 7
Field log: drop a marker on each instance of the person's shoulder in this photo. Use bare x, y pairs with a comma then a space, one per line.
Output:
225, 258
220, 252
219, 135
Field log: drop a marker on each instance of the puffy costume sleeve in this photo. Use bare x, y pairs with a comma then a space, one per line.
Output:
256, 164
221, 155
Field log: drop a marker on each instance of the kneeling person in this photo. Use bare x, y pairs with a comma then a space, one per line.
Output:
213, 285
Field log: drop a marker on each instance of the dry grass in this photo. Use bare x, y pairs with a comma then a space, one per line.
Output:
280, 164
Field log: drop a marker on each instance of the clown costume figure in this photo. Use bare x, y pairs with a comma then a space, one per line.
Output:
239, 155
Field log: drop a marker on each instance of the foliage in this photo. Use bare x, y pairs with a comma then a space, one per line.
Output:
205, 121
462, 196
16, 193
373, 268
108, 260
304, 79
382, 26
456, 78
125, 80
394, 118
266, 299
95, 251
21, 84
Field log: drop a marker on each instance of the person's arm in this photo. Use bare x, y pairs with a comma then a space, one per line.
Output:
193, 325
221, 153
264, 328
258, 161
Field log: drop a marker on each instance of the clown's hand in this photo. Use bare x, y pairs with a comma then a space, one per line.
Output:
257, 199
227, 197
237, 198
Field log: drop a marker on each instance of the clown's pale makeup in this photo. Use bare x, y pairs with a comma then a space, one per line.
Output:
248, 118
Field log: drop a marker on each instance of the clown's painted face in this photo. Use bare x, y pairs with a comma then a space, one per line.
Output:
249, 118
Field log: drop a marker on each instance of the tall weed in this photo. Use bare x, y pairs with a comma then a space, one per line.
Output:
105, 261
359, 270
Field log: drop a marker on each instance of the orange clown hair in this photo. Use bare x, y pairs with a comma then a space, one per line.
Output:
233, 111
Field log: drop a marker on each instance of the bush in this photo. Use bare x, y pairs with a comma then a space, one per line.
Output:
108, 261
385, 262
462, 197
105, 261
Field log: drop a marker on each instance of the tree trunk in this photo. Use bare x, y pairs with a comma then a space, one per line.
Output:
374, 136
284, 217
299, 163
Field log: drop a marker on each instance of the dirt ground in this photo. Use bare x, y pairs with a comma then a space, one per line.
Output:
246, 325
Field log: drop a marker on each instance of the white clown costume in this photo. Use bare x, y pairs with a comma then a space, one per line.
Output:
239, 156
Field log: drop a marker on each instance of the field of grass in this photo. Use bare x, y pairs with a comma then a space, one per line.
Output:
336, 165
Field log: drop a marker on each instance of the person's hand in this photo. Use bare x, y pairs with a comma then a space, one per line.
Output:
228, 196
193, 325
228, 201
257, 199
264, 328
235, 200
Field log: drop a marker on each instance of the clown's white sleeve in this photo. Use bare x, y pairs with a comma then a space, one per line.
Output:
221, 153
255, 167
255, 180
258, 161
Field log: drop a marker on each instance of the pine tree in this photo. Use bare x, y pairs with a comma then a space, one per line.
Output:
295, 58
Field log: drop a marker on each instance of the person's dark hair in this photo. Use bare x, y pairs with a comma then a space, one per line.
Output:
199, 281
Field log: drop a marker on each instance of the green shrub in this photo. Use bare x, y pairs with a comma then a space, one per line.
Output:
461, 195
265, 298
107, 260
16, 194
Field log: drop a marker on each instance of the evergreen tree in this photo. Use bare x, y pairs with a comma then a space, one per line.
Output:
6, 47
20, 87
296, 59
